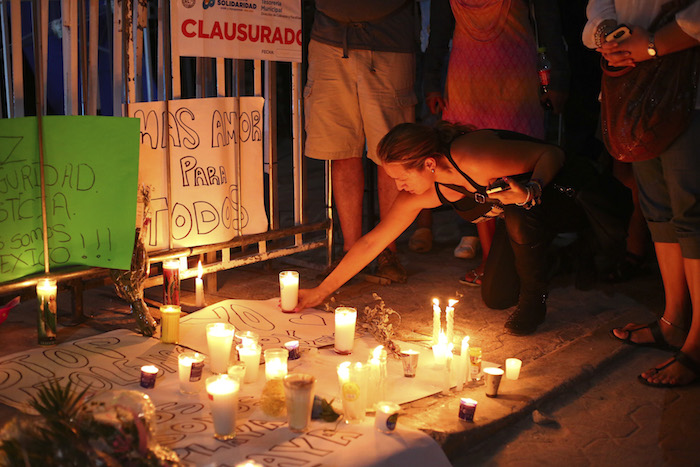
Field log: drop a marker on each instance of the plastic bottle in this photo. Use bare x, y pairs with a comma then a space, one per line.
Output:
544, 71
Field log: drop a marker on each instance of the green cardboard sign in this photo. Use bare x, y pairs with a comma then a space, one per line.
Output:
91, 179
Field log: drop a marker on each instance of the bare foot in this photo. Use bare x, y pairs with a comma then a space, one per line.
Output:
641, 334
670, 372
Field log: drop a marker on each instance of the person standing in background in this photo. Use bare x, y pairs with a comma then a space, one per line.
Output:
360, 84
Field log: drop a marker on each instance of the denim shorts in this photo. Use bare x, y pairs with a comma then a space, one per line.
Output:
353, 101
669, 192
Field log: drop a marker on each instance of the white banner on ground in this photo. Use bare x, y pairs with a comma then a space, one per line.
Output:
207, 139
250, 29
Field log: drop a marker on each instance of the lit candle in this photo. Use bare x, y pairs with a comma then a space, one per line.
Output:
46, 290
345, 318
250, 355
223, 400
376, 388
293, 349
276, 363
148, 376
190, 366
513, 366
467, 407
219, 341
171, 282
450, 319
447, 375
170, 324
437, 326
386, 416
440, 349
289, 290
199, 287
464, 364
353, 388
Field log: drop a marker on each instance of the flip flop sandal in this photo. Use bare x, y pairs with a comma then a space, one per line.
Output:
682, 358
659, 339
472, 278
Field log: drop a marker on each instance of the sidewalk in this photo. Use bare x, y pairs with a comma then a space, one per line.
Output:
569, 351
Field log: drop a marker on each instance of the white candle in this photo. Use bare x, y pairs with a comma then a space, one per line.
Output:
463, 375
250, 355
437, 326
219, 340
440, 349
386, 416
190, 365
345, 318
447, 375
450, 320
199, 287
353, 388
289, 290
223, 400
513, 366
276, 363
170, 324
376, 390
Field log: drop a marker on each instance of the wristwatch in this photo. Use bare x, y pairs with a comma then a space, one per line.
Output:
651, 47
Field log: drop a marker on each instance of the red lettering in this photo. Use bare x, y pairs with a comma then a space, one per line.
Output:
201, 32
277, 36
242, 33
216, 30
288, 35
185, 24
257, 33
265, 34
232, 35
299, 37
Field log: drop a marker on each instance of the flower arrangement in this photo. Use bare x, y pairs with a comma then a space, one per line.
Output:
377, 320
113, 428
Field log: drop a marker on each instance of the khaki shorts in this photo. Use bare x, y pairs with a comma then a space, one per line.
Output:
346, 105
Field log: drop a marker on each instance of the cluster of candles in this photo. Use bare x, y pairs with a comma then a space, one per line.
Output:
171, 282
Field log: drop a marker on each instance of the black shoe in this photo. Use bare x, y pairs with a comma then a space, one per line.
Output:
527, 317
389, 267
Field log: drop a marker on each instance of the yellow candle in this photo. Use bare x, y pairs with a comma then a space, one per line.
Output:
46, 291
170, 324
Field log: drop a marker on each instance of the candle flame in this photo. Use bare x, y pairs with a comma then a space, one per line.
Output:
452, 302
200, 270
465, 340
377, 352
436, 302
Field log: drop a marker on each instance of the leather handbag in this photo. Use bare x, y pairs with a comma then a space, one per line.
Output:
646, 107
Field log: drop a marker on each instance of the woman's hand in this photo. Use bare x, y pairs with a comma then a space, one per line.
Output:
517, 194
309, 298
435, 102
629, 51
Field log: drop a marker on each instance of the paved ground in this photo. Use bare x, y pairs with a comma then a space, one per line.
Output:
573, 372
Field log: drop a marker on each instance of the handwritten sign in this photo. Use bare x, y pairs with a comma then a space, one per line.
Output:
209, 141
253, 29
91, 167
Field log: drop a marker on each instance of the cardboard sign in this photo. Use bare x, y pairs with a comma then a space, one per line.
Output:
206, 138
251, 29
90, 167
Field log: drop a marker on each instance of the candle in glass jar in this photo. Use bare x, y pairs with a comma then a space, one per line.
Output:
199, 287
345, 318
46, 290
190, 366
386, 416
148, 376
170, 324
223, 400
219, 341
250, 355
276, 363
289, 290
293, 349
513, 368
171, 282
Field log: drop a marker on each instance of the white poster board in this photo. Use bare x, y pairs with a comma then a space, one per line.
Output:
251, 29
206, 138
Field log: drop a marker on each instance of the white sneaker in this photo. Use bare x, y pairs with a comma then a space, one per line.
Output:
467, 248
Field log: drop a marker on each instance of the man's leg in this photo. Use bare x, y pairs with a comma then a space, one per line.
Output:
386, 192
348, 190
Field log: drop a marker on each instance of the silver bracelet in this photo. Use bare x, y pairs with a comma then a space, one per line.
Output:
603, 29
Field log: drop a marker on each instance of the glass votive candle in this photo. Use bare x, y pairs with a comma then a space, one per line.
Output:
353, 379
148, 376
409, 358
219, 341
345, 319
289, 290
46, 290
385, 417
237, 371
171, 282
170, 324
513, 366
250, 356
276, 363
293, 349
190, 366
246, 337
299, 398
467, 407
223, 401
